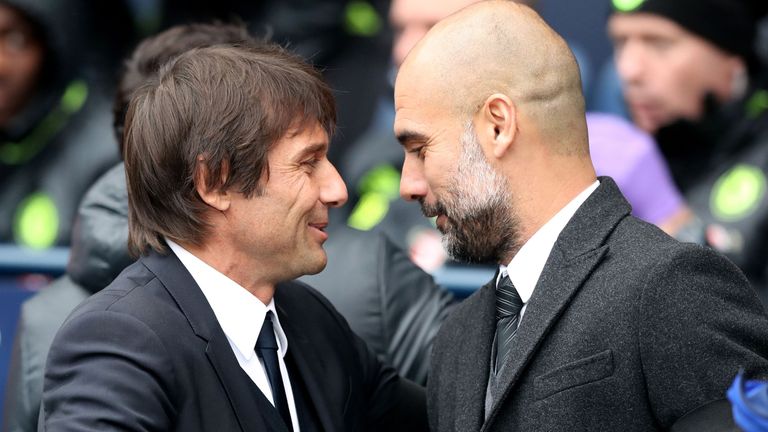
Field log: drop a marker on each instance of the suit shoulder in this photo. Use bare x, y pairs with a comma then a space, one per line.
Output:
662, 266
635, 243
136, 292
633, 233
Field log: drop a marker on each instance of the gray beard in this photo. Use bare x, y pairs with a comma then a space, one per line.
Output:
481, 226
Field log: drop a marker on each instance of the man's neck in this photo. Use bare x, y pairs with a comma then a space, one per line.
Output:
244, 274
551, 199
541, 209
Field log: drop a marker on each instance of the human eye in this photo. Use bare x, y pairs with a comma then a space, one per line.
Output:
618, 42
660, 44
311, 163
419, 151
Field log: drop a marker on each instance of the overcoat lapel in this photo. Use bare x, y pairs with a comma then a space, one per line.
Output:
575, 255
253, 413
554, 291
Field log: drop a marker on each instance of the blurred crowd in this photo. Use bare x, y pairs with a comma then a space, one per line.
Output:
60, 65
61, 61
677, 116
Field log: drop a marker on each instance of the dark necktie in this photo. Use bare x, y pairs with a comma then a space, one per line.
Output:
508, 306
266, 349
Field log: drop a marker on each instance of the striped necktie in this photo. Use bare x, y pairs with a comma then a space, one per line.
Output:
508, 306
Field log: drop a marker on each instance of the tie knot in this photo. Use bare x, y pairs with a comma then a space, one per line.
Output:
266, 339
508, 301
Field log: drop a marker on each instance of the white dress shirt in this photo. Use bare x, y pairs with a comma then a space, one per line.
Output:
241, 315
525, 268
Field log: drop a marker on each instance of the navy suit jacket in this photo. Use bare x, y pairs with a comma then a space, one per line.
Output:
147, 354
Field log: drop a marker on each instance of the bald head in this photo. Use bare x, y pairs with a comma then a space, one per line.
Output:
501, 47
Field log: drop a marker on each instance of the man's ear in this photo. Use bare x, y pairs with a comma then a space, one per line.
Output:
218, 197
498, 122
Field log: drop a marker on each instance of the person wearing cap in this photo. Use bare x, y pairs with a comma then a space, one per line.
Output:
691, 77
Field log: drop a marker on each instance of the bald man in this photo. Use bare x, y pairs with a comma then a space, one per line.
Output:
595, 321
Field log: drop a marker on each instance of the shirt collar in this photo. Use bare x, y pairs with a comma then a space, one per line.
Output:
526, 266
239, 313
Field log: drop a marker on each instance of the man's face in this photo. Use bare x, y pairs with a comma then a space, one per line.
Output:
446, 171
21, 59
283, 229
666, 70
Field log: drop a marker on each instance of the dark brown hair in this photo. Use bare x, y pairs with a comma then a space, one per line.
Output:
157, 50
225, 105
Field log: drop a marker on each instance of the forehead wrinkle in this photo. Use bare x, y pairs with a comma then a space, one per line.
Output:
314, 148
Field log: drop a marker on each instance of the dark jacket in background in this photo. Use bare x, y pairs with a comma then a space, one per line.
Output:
97, 256
62, 140
391, 303
721, 165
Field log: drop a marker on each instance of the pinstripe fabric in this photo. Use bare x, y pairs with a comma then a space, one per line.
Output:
508, 306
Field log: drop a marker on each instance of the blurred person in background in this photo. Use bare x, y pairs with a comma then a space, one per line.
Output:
692, 78
55, 135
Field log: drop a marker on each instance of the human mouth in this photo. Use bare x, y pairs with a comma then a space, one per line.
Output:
441, 222
643, 108
318, 228
436, 211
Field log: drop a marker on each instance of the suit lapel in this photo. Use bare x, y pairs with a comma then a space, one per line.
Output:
309, 365
473, 359
236, 383
554, 291
239, 389
577, 252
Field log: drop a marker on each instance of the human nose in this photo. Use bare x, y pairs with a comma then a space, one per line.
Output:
413, 185
333, 192
629, 62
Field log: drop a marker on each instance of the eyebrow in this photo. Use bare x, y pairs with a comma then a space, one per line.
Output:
406, 137
313, 148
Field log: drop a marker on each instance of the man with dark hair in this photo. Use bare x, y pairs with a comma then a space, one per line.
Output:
691, 76
99, 246
595, 321
155, 51
378, 299
229, 187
